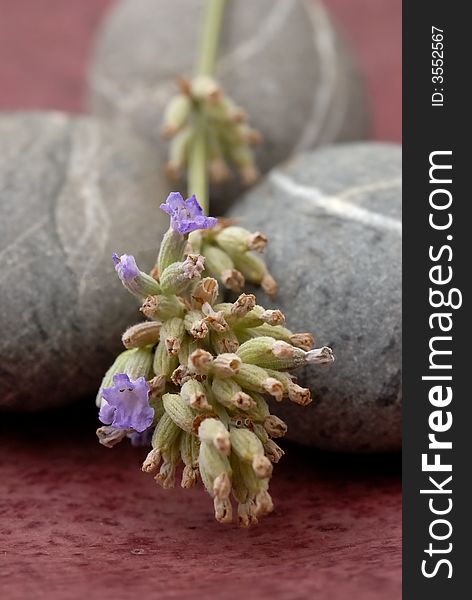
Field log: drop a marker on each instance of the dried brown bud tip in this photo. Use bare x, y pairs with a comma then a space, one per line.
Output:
157, 386
222, 486
141, 334
244, 304
181, 375
243, 401
281, 349
205, 291
223, 510
273, 317
219, 170
264, 504
110, 436
172, 346
274, 426
305, 341
214, 319
166, 476
299, 395
273, 451
274, 388
152, 460
249, 174
247, 514
269, 285
199, 330
262, 466
233, 280
320, 356
257, 241
200, 361
189, 477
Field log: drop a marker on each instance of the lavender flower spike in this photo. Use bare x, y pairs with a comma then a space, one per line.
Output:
125, 404
186, 215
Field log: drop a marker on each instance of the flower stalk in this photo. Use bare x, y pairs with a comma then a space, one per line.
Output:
192, 381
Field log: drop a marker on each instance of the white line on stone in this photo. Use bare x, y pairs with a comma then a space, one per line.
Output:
337, 205
19, 240
84, 244
272, 23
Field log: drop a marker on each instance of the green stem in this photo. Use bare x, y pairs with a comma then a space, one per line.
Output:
210, 36
197, 170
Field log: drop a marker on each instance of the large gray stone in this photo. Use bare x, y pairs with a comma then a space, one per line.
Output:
281, 60
72, 192
333, 218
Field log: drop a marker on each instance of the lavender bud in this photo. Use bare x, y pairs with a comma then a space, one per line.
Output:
244, 304
200, 361
319, 356
161, 308
245, 444
247, 514
177, 277
273, 452
226, 365
262, 466
179, 411
176, 114
225, 341
141, 334
214, 319
206, 290
135, 281
172, 249
195, 324
234, 240
193, 393
164, 363
212, 431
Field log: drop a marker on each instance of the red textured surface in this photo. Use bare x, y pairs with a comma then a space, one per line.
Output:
78, 520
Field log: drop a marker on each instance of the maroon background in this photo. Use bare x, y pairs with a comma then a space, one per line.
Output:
79, 520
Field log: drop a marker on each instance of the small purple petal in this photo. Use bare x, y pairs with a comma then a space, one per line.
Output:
175, 201
191, 204
126, 404
186, 215
126, 267
106, 413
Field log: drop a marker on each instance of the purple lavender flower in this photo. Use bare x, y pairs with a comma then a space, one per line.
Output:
186, 215
126, 267
125, 404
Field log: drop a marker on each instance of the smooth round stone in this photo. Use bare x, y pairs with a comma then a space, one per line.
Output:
333, 218
281, 60
73, 191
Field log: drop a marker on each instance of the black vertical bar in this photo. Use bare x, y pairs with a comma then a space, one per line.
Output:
440, 123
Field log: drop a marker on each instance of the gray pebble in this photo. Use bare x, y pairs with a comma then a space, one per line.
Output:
333, 218
72, 192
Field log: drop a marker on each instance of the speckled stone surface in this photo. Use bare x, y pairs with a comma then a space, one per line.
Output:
79, 520
333, 218
281, 60
72, 192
